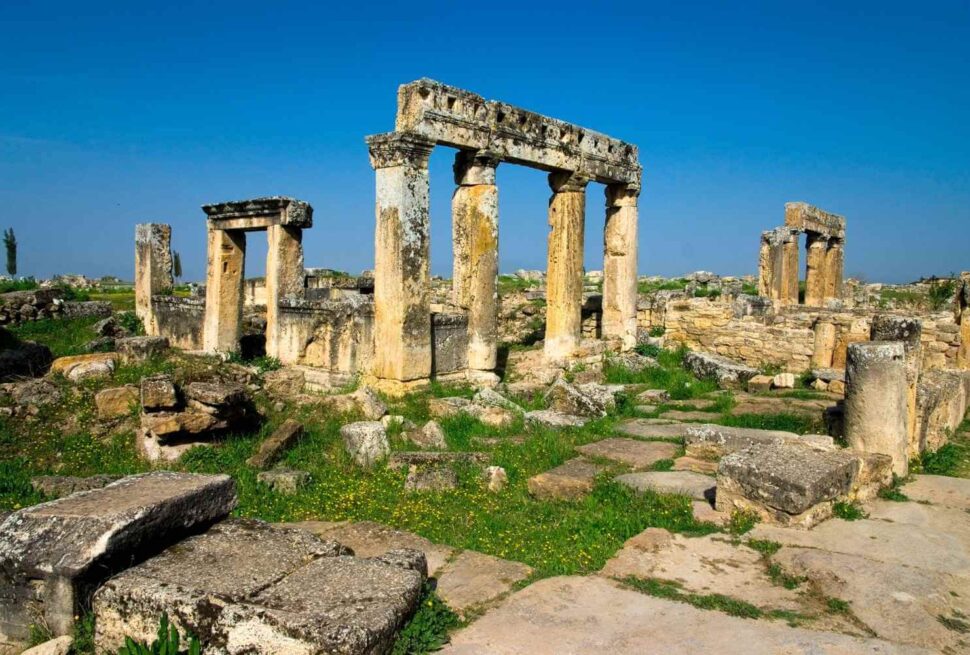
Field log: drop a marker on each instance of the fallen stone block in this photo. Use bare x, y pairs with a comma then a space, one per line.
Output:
282, 439
548, 418
158, 394
682, 483
568, 481
430, 478
784, 381
727, 373
687, 463
53, 555
759, 383
829, 374
83, 367
637, 454
116, 402
366, 442
275, 590
216, 397
491, 398
284, 481
658, 396
431, 435
284, 383
568, 399
495, 478
447, 407
709, 441
141, 349
404, 459
786, 484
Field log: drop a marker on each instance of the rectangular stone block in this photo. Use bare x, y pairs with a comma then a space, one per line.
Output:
53, 555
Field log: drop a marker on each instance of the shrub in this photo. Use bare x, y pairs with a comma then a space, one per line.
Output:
657, 331
940, 293
166, 643
130, 322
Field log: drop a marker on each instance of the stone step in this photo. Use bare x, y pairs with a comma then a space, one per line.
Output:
684, 483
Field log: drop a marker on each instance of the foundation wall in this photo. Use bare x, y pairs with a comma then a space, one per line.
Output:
785, 337
180, 319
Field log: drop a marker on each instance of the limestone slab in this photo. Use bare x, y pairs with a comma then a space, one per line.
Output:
638, 454
594, 615
473, 578
684, 483
568, 481
939, 490
52, 553
647, 428
549, 418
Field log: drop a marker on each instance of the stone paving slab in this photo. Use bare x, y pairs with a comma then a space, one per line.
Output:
638, 454
701, 565
895, 601
685, 483
688, 415
578, 615
939, 490
921, 536
472, 579
646, 428
571, 480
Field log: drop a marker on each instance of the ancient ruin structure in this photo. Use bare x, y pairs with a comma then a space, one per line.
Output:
825, 246
153, 269
962, 312
391, 337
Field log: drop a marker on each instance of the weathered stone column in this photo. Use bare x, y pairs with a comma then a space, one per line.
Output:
564, 273
816, 247
907, 331
766, 265
962, 312
876, 399
788, 280
225, 270
620, 265
284, 277
824, 350
153, 269
402, 309
834, 269
474, 224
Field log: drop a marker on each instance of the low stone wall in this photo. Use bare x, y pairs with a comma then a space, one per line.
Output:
334, 335
794, 338
20, 306
180, 319
942, 399
87, 309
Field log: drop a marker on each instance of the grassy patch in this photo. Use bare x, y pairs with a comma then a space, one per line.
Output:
741, 522
508, 284
62, 336
25, 284
121, 301
673, 591
837, 606
766, 547
428, 629
669, 375
953, 458
796, 423
782, 579
848, 511
677, 284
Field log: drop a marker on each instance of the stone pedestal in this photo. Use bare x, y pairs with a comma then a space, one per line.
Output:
834, 267
907, 331
402, 328
876, 401
153, 269
284, 277
474, 222
815, 270
564, 274
620, 265
224, 290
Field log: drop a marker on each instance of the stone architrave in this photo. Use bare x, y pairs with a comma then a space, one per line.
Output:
402, 329
908, 331
564, 274
224, 290
834, 269
153, 269
474, 221
620, 265
815, 269
876, 401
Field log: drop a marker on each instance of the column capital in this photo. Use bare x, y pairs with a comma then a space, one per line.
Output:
399, 149
566, 181
622, 195
475, 167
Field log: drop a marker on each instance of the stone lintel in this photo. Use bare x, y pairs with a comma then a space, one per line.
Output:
259, 213
392, 149
462, 119
808, 218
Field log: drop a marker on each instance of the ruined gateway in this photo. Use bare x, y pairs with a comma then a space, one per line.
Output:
392, 338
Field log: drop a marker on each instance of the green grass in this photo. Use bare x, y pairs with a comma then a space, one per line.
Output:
508, 284
427, 631
837, 606
741, 522
677, 284
120, 300
62, 336
766, 547
848, 511
25, 284
669, 375
671, 590
796, 423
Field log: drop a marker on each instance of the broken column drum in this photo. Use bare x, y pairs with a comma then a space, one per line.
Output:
488, 132
284, 220
876, 401
908, 331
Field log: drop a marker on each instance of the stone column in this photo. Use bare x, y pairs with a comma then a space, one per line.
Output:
789, 270
284, 277
875, 401
834, 267
153, 269
962, 312
224, 290
824, 350
474, 224
766, 265
907, 331
816, 247
564, 273
620, 265
402, 309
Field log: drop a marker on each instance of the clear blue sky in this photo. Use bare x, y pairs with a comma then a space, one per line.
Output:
117, 113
